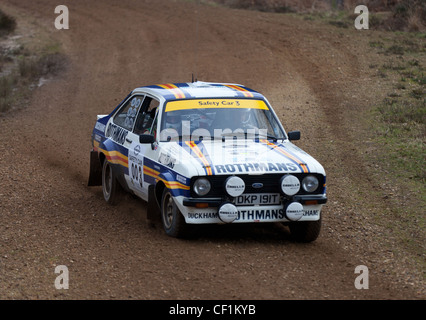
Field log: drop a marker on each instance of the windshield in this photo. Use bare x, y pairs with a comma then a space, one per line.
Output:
200, 119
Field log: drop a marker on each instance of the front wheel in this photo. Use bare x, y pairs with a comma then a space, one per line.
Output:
173, 221
305, 231
110, 186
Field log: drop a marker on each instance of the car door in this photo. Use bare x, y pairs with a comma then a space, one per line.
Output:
146, 123
119, 136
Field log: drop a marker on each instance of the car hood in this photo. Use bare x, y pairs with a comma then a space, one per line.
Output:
237, 157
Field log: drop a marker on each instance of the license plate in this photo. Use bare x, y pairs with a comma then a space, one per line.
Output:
258, 199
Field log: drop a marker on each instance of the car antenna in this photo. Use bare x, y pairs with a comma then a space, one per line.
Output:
196, 42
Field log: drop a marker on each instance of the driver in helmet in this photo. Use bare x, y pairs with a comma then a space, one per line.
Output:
245, 115
232, 119
238, 118
173, 121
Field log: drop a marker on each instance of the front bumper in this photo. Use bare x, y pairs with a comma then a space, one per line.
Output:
205, 210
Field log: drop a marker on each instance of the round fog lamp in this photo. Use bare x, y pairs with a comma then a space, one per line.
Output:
290, 185
294, 211
228, 212
202, 186
234, 186
310, 183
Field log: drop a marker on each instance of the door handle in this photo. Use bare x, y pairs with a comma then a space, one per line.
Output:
128, 140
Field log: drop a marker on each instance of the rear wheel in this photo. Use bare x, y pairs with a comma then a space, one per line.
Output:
305, 231
110, 186
173, 221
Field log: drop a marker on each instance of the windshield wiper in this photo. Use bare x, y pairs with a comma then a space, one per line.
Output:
224, 134
246, 135
271, 137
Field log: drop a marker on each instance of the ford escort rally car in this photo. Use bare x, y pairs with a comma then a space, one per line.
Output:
207, 153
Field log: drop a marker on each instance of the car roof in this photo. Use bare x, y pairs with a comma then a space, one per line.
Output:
199, 90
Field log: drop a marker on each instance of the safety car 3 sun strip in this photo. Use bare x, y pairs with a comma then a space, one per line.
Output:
215, 103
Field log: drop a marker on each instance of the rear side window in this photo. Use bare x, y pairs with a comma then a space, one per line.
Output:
126, 116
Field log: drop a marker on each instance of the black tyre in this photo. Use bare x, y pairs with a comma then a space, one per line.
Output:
305, 231
173, 221
111, 188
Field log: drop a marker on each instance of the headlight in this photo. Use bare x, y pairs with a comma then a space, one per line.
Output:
202, 186
310, 183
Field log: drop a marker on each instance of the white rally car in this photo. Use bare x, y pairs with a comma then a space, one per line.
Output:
207, 153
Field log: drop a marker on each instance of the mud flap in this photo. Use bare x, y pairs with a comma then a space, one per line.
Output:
95, 174
153, 208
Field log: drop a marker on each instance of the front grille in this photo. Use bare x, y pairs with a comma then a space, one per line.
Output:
271, 184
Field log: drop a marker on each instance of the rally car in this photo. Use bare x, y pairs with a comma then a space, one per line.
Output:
207, 153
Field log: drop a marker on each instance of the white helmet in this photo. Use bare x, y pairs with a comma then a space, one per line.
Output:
245, 116
173, 120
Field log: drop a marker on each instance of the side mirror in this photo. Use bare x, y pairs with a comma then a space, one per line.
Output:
293, 135
146, 138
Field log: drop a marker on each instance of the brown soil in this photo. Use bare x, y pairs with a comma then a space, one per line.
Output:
315, 76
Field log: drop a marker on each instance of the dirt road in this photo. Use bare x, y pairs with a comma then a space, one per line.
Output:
314, 77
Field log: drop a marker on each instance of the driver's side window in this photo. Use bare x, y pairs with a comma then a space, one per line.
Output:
146, 119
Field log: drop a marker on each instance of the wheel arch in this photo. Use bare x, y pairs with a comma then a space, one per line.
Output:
155, 193
159, 189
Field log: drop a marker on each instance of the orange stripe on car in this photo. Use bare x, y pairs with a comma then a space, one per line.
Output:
201, 156
245, 92
169, 184
115, 157
178, 93
302, 165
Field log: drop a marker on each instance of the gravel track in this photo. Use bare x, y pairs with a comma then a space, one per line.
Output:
314, 77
